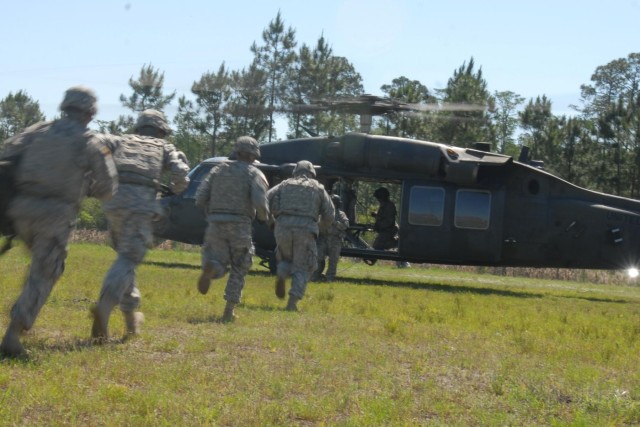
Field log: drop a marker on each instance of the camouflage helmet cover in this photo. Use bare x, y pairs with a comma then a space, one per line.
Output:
304, 166
81, 98
246, 144
153, 118
337, 201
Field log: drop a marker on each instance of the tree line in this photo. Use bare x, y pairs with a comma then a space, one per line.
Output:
597, 148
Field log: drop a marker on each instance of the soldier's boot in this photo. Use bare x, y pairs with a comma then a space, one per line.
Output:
281, 291
292, 305
99, 329
11, 346
133, 321
205, 279
229, 315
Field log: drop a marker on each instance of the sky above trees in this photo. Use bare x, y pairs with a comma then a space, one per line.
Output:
531, 48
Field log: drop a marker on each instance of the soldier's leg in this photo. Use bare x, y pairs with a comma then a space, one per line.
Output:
284, 255
118, 280
304, 262
215, 257
49, 251
241, 259
322, 250
137, 238
334, 256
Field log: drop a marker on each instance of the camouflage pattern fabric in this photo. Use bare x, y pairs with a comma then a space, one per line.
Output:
330, 244
61, 162
141, 161
229, 245
386, 227
297, 256
232, 195
301, 207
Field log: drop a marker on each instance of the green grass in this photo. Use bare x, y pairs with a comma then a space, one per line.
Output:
422, 346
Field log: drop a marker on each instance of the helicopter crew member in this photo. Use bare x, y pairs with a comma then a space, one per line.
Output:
233, 194
61, 162
141, 159
297, 204
330, 241
385, 224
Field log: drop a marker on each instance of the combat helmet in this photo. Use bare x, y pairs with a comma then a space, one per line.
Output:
337, 201
246, 144
304, 166
381, 193
153, 118
80, 98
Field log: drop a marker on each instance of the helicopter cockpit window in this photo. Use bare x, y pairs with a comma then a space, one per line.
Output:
473, 209
196, 176
426, 206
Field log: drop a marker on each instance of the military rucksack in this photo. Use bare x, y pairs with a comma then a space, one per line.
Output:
8, 167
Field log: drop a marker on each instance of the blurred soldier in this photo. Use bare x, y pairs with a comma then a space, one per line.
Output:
330, 241
297, 204
141, 159
233, 194
385, 224
61, 162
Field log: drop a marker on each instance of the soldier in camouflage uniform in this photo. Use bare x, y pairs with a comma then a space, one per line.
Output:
61, 163
330, 241
232, 195
141, 160
298, 203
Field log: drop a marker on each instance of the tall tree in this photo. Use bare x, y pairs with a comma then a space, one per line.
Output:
612, 101
191, 141
505, 120
411, 124
147, 91
247, 106
536, 120
18, 112
208, 115
318, 75
275, 57
466, 91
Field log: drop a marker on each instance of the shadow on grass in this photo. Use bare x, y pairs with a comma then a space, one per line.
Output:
172, 265
36, 349
444, 287
197, 320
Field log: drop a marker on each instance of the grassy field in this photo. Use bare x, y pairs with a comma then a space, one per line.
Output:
382, 346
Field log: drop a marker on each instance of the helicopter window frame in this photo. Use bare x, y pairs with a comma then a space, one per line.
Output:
426, 206
472, 212
196, 176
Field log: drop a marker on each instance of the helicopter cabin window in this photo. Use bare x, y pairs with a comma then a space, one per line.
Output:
426, 206
196, 176
473, 209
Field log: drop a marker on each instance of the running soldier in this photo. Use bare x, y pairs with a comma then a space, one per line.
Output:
232, 195
141, 160
61, 162
330, 242
298, 203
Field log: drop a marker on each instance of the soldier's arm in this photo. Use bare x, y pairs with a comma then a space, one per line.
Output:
103, 175
259, 187
176, 163
327, 213
342, 222
204, 191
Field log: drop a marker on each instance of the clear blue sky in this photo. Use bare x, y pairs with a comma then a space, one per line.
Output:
529, 47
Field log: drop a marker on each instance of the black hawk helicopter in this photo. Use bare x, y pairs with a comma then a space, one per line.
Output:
458, 206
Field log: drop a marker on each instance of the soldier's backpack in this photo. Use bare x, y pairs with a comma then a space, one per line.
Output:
8, 169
